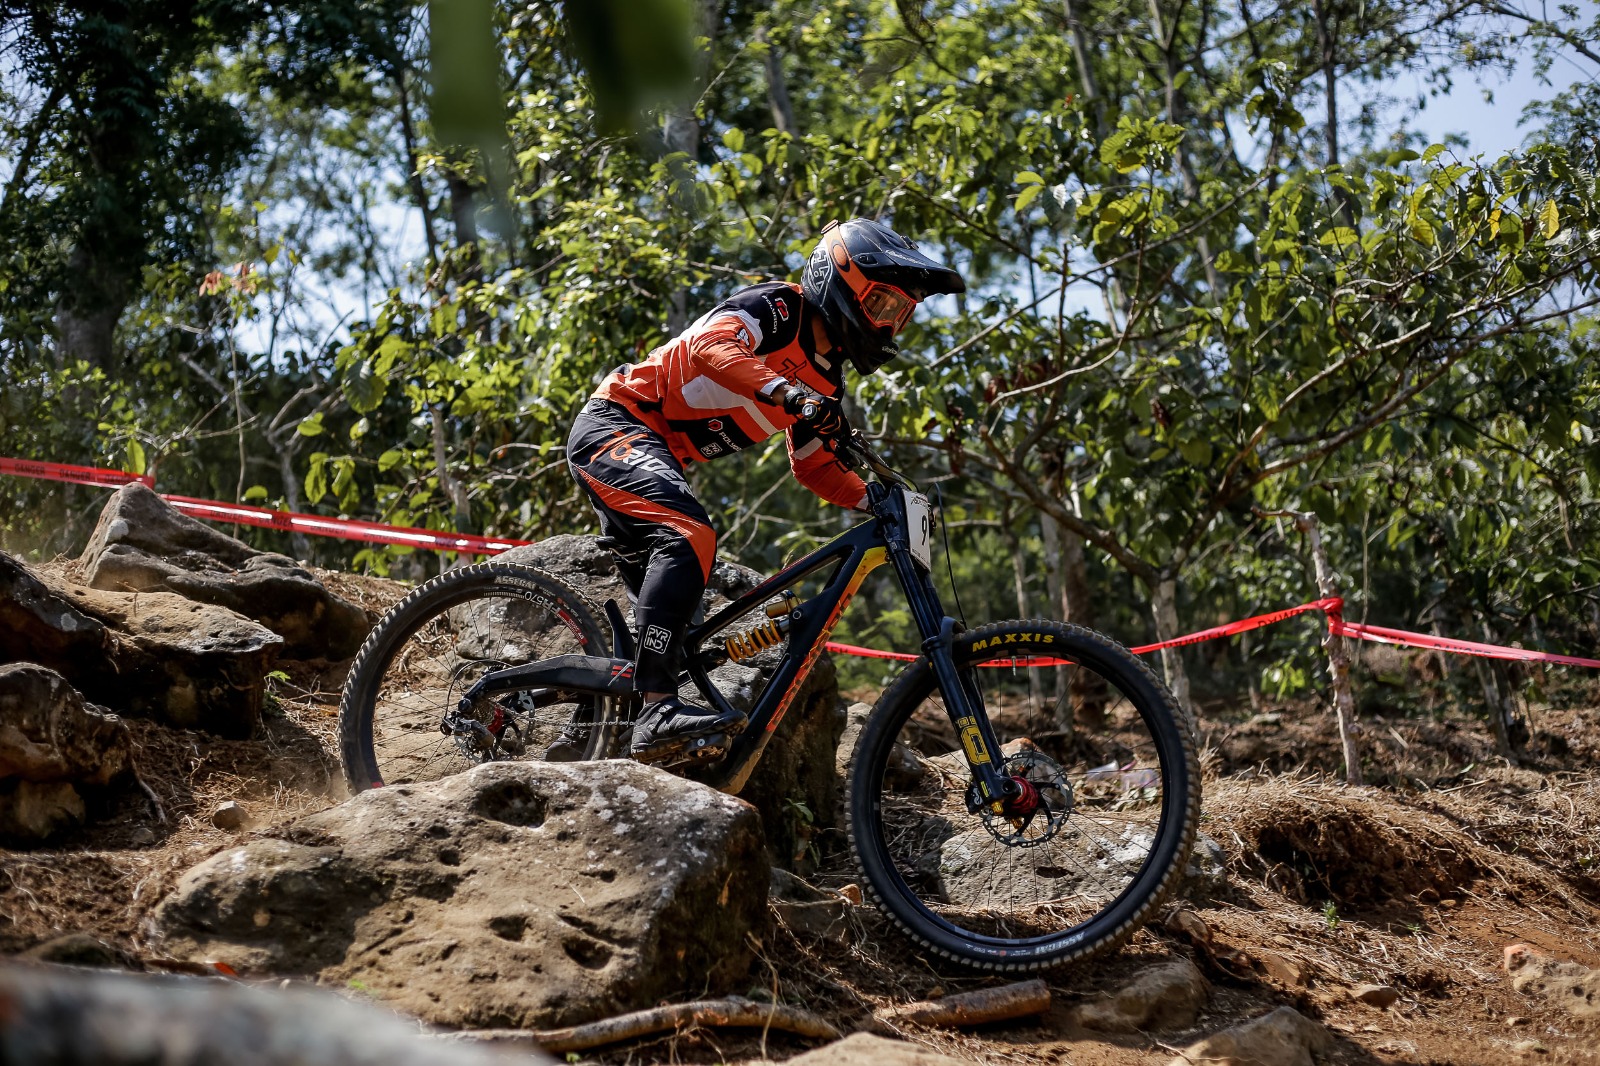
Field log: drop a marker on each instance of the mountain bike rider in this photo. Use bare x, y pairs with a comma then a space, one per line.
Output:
768, 359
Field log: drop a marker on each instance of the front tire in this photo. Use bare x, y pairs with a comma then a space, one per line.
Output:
1118, 779
440, 639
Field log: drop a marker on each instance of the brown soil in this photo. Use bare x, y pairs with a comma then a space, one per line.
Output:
1419, 882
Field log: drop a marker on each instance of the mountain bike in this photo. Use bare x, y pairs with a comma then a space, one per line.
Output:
995, 828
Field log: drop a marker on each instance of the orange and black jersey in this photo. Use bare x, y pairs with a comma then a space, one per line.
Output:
717, 387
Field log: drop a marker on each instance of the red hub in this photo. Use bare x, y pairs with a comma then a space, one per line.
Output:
1025, 802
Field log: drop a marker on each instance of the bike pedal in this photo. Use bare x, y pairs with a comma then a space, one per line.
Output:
703, 748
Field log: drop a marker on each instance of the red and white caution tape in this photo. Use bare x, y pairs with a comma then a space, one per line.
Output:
343, 528
243, 514
73, 475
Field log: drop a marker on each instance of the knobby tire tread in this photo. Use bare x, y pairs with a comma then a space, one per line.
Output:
416, 606
886, 716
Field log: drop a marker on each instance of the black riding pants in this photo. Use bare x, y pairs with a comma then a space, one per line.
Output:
652, 523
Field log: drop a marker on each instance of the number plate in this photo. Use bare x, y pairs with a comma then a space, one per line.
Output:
919, 527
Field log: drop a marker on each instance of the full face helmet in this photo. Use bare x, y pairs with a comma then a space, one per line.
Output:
866, 280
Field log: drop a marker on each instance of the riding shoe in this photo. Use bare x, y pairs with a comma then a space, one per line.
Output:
668, 726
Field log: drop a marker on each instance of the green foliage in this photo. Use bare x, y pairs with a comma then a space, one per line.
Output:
1187, 302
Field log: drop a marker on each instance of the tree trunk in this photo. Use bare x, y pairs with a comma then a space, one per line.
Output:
419, 191
453, 489
1164, 608
87, 314
1326, 31
1080, 695
1080, 53
1338, 660
464, 221
1019, 578
777, 88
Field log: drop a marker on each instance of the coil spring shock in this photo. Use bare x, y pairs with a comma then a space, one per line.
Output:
748, 645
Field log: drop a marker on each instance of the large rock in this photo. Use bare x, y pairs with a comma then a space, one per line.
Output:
795, 787
1571, 986
1165, 996
142, 545
515, 895
71, 1017
1283, 1038
51, 745
151, 654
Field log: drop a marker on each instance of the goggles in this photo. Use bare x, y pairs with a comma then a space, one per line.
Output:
886, 306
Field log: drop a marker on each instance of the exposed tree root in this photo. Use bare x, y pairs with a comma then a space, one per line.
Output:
974, 1008
733, 1012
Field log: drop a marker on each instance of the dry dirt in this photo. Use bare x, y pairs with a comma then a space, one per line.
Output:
1418, 882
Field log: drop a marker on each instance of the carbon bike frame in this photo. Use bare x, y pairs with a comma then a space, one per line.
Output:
852, 556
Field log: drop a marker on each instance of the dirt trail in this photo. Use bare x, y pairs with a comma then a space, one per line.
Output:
1417, 884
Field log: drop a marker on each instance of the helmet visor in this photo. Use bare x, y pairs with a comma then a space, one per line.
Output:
886, 306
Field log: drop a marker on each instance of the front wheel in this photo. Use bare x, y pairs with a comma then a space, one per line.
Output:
1098, 740
400, 718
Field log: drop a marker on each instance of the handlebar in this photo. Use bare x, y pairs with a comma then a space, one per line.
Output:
854, 450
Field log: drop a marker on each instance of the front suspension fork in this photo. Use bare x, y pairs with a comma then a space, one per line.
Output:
962, 702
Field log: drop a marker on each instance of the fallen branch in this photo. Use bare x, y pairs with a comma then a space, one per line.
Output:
974, 1008
733, 1012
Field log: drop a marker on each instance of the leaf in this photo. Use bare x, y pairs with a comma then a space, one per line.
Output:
255, 492
733, 137
1027, 195
1338, 237
310, 425
136, 457
1550, 219
1028, 177
1422, 230
317, 477
364, 387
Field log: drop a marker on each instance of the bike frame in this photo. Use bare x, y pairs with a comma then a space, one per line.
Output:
851, 556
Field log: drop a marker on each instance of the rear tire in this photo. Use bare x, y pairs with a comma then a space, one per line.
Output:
435, 643
1121, 804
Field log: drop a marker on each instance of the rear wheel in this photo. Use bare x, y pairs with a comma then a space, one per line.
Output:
399, 720
1116, 784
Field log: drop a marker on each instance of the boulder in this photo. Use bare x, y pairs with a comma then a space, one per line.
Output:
1166, 996
47, 732
72, 1017
150, 654
52, 745
142, 545
38, 624
1573, 987
33, 811
865, 1049
1283, 1038
515, 895
795, 788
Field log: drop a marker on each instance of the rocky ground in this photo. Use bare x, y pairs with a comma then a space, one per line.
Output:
1446, 914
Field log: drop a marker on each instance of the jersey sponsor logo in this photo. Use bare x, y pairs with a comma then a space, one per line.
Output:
714, 425
743, 337
783, 309
711, 451
657, 639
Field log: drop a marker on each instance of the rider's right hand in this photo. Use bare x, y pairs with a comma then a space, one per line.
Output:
823, 414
